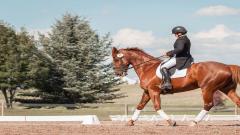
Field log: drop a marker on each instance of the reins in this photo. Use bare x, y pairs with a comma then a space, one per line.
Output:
139, 65
147, 61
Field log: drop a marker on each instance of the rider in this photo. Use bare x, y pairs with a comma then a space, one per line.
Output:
180, 56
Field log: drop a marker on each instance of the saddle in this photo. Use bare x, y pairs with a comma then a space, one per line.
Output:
173, 72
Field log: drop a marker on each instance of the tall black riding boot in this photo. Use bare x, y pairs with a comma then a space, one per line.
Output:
166, 85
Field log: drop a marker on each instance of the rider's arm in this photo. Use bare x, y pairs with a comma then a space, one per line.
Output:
178, 48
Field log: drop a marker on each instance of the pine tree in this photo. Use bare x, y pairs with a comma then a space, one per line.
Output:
9, 55
22, 65
81, 54
13, 64
41, 74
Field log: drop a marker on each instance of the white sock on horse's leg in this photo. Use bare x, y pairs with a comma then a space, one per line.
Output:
163, 115
200, 116
136, 114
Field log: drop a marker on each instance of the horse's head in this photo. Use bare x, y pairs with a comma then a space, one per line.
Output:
120, 62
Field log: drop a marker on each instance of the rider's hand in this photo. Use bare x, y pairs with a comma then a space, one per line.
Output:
170, 54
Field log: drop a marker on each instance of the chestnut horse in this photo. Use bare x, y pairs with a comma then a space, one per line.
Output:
209, 76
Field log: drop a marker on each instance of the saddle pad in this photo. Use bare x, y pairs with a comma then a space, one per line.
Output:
177, 74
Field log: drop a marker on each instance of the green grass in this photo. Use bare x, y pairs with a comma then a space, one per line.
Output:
182, 101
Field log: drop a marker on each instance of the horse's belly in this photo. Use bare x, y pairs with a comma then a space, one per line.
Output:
183, 84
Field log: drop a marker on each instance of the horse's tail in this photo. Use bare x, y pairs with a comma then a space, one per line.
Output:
235, 73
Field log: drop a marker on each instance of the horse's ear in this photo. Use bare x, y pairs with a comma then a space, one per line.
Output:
114, 51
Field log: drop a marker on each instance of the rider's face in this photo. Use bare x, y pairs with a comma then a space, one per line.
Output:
177, 35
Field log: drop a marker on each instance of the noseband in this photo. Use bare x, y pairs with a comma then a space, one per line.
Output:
122, 67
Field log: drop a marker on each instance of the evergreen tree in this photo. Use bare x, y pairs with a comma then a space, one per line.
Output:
22, 65
80, 54
41, 74
13, 63
9, 66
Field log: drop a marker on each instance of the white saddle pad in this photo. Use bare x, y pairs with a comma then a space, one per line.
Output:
177, 74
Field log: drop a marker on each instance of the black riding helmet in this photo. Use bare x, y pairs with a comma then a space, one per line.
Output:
179, 29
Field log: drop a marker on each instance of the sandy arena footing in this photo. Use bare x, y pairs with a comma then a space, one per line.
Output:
119, 128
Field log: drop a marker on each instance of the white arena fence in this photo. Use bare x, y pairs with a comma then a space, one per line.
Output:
176, 117
84, 119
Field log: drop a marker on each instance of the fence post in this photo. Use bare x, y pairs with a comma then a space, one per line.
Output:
236, 110
2, 104
126, 109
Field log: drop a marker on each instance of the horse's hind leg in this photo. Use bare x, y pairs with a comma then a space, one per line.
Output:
234, 97
230, 91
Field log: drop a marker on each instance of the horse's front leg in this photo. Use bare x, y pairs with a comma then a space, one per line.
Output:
154, 92
208, 104
140, 106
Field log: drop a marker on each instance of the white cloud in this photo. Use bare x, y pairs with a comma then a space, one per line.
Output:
219, 43
219, 32
128, 37
218, 10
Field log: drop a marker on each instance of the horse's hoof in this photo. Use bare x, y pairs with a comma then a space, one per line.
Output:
130, 123
192, 124
172, 123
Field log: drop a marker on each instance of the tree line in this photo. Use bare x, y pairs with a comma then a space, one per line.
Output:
69, 65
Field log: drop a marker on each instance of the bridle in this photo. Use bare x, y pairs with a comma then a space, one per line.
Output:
123, 67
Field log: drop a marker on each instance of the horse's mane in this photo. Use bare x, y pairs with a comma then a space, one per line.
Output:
139, 51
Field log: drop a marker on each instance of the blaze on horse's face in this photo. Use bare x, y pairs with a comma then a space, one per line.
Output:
120, 62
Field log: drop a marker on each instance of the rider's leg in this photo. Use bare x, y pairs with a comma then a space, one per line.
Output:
170, 63
166, 77
166, 80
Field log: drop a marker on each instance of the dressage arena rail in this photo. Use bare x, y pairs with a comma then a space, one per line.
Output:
124, 113
84, 119
177, 117
235, 110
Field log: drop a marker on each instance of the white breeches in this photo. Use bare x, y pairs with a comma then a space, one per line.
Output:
170, 63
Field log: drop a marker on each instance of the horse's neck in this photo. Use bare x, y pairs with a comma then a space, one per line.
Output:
141, 63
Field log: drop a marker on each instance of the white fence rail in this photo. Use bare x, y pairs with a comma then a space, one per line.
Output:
175, 117
84, 119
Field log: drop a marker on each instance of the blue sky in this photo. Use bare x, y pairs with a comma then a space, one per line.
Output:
213, 25
112, 15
